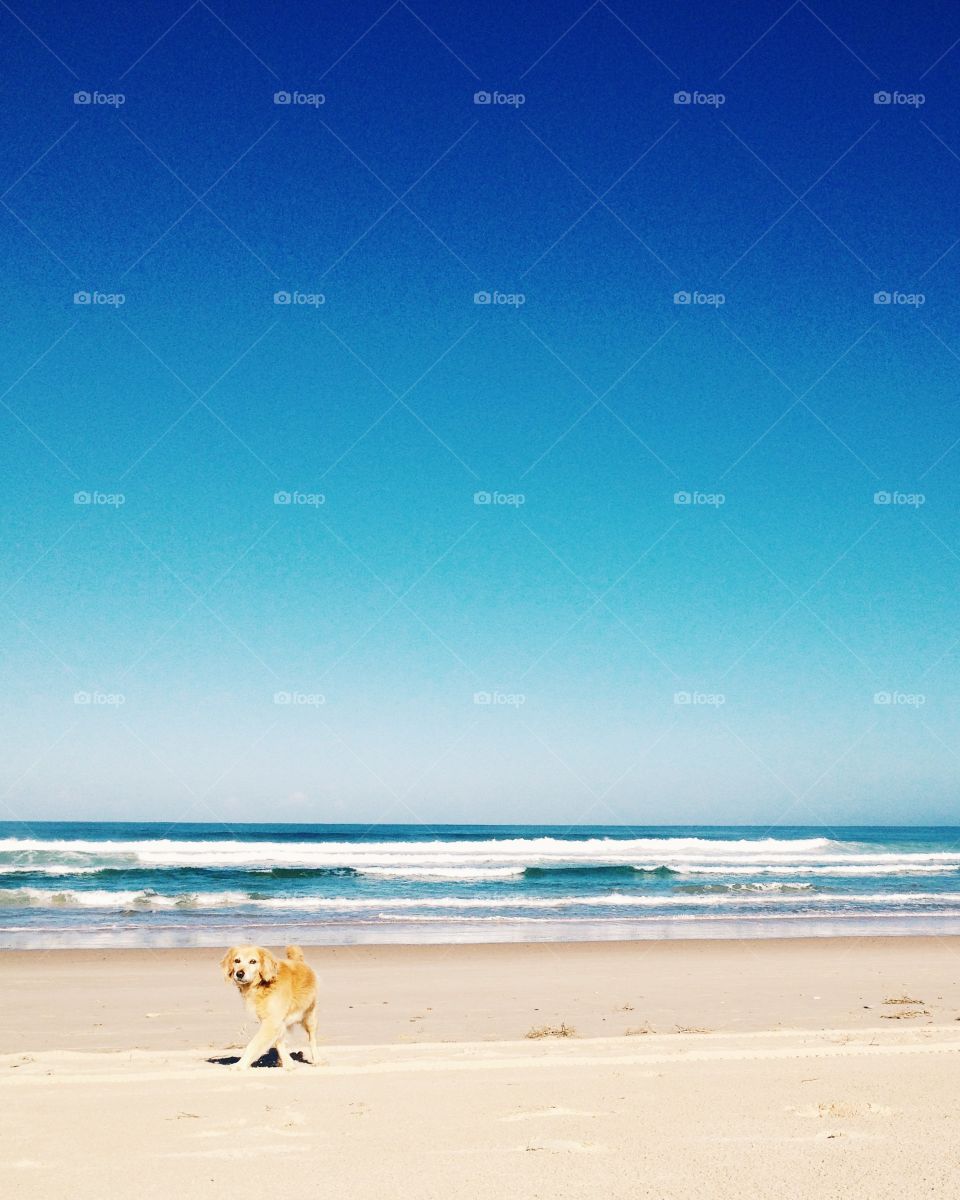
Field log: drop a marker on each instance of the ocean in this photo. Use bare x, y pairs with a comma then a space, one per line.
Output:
127, 884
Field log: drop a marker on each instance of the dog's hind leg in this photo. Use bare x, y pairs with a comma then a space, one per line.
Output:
310, 1025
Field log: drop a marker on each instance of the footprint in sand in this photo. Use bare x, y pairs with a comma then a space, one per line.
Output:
838, 1108
558, 1146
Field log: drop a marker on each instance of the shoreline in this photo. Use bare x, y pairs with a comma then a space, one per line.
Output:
479, 931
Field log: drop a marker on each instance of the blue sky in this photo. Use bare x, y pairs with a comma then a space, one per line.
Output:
583, 647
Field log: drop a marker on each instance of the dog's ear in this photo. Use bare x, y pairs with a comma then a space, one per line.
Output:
268, 966
226, 963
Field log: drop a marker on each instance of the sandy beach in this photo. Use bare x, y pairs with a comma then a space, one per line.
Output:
800, 1067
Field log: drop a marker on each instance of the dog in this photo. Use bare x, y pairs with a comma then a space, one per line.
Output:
279, 994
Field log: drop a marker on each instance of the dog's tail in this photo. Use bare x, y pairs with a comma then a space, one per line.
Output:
295, 953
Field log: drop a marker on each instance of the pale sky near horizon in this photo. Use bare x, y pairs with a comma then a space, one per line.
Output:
601, 468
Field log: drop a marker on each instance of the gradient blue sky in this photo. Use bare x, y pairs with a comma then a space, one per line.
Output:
599, 599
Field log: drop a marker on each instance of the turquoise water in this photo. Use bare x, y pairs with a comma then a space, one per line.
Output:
101, 884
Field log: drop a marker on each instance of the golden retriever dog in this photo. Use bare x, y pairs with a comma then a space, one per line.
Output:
279, 994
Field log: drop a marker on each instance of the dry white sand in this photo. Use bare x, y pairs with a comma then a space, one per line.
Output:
806, 1083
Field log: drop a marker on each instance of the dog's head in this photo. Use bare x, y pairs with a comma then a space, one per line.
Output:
248, 965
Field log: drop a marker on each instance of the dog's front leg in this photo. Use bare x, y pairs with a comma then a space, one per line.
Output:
265, 1037
285, 1059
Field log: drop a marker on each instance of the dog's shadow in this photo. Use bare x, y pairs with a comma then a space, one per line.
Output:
270, 1059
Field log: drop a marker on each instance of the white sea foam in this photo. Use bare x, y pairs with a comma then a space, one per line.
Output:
478, 861
764, 886
875, 917
448, 874
502, 852
47, 869
104, 899
837, 867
